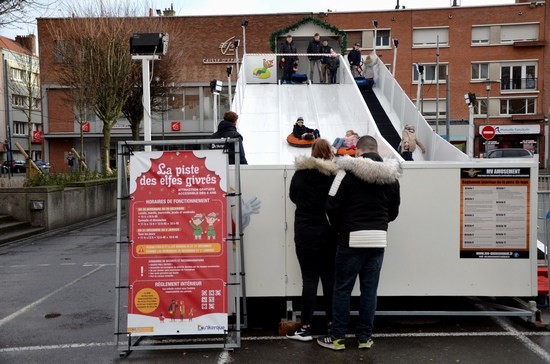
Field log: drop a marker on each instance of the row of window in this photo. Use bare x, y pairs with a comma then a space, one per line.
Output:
519, 76
432, 36
507, 107
20, 128
23, 101
22, 75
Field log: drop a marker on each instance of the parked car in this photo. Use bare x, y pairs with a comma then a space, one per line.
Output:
509, 153
44, 166
15, 166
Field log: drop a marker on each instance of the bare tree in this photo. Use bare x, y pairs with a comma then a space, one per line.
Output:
18, 11
97, 61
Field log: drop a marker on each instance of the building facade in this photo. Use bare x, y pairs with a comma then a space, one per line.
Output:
496, 52
20, 121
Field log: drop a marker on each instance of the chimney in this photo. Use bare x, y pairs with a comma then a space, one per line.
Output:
28, 42
151, 13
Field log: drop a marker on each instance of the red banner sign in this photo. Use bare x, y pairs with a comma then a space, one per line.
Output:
37, 136
176, 126
86, 127
178, 256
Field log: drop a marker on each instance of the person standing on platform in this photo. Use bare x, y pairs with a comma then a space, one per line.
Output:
354, 59
325, 71
363, 199
315, 61
286, 62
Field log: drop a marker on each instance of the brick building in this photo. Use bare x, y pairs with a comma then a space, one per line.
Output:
497, 52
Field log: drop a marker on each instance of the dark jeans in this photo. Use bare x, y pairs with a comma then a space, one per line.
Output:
350, 262
316, 264
408, 156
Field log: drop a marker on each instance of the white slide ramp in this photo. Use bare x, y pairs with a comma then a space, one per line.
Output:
269, 112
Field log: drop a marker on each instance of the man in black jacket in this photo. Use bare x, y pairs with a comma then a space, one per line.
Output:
227, 128
287, 62
354, 59
314, 47
363, 199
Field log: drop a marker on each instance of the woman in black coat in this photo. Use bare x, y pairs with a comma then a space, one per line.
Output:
315, 239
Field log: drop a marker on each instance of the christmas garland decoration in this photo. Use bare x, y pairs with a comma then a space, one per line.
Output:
281, 32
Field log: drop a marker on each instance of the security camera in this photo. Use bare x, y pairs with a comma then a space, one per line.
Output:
236, 42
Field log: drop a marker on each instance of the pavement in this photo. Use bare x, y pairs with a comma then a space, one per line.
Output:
58, 305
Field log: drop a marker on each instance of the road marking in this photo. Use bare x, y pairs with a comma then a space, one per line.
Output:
54, 347
35, 303
535, 348
225, 358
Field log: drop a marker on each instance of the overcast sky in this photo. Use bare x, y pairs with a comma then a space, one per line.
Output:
218, 7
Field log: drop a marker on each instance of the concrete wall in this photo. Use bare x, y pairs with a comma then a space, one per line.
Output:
61, 205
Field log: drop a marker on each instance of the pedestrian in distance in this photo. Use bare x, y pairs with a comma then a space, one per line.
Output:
314, 47
315, 239
363, 199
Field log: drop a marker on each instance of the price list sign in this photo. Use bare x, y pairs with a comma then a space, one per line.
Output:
177, 256
495, 213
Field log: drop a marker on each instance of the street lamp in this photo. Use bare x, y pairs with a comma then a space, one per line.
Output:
488, 89
244, 24
395, 44
471, 101
375, 25
229, 70
236, 43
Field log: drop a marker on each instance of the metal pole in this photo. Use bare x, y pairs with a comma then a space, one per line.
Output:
146, 104
418, 87
215, 113
447, 108
470, 131
395, 43
237, 59
437, 87
229, 90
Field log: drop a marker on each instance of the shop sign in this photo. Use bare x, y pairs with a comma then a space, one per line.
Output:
511, 129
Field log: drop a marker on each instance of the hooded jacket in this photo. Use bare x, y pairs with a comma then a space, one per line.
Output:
308, 190
227, 129
363, 199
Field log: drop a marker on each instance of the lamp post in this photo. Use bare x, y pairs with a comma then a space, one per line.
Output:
488, 89
244, 24
229, 70
395, 44
471, 101
236, 43
375, 25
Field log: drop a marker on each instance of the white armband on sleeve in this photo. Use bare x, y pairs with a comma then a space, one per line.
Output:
336, 183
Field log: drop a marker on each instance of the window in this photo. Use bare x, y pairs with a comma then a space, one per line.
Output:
517, 106
481, 35
481, 107
61, 49
518, 76
429, 37
19, 128
480, 71
18, 100
519, 32
429, 73
355, 37
382, 38
429, 106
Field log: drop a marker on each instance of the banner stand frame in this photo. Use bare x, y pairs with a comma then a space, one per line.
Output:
231, 339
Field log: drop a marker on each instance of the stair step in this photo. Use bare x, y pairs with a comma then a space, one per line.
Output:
12, 225
5, 218
20, 234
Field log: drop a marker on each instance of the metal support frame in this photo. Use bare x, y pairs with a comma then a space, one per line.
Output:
232, 338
